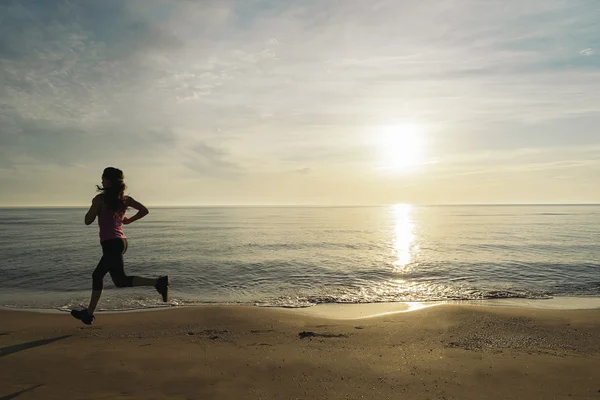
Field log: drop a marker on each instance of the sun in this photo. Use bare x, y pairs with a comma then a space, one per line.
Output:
402, 146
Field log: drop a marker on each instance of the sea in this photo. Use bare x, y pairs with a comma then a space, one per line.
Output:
306, 256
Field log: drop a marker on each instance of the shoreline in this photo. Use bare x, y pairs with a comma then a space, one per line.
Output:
366, 310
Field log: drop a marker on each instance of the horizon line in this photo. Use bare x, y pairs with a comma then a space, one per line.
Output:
317, 205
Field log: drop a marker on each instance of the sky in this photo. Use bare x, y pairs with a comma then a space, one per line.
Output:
250, 102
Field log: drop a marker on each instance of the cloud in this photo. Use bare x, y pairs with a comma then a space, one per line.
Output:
303, 170
43, 141
210, 161
233, 89
588, 52
577, 160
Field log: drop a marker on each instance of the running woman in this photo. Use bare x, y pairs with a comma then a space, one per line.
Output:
110, 207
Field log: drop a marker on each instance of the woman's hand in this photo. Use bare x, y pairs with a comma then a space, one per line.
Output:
142, 211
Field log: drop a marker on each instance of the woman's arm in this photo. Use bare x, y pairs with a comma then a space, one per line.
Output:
142, 211
90, 216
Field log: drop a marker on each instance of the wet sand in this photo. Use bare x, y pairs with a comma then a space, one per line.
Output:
444, 352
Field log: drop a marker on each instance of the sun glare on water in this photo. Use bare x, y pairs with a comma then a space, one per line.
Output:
404, 238
402, 147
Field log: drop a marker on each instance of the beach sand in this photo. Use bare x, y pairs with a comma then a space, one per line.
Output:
218, 352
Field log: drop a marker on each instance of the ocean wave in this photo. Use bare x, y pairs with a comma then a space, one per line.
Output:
465, 295
125, 305
551, 213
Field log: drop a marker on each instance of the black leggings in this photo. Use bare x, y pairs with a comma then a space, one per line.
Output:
112, 263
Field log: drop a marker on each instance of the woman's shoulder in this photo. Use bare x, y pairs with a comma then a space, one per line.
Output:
98, 198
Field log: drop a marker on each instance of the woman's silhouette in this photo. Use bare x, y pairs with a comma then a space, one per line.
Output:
110, 207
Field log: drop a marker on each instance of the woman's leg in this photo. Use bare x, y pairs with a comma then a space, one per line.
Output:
96, 294
104, 266
141, 281
98, 283
117, 270
121, 279
87, 315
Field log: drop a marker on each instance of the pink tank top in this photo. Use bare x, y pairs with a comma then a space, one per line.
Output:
110, 227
